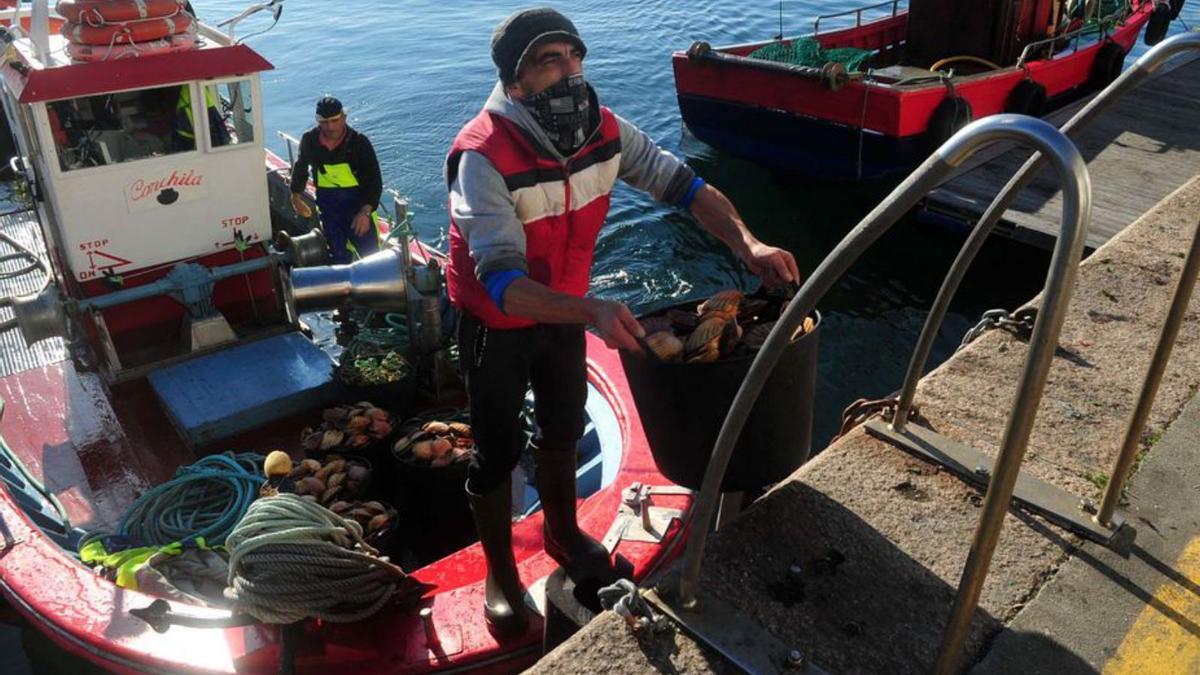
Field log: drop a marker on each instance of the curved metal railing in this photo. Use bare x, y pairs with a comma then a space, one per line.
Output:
1052, 146
1072, 171
857, 13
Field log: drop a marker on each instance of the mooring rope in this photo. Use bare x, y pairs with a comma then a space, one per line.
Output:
291, 559
205, 499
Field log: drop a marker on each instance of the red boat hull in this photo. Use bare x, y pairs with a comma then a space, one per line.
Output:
869, 127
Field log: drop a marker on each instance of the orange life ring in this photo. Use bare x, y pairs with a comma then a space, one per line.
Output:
100, 12
126, 32
172, 43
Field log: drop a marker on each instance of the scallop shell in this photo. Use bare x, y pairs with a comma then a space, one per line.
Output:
436, 427
330, 493
358, 423
724, 302
460, 428
442, 447
310, 465
378, 523
666, 346
707, 334
311, 440
311, 485
380, 429
335, 466
423, 450
729, 338
331, 439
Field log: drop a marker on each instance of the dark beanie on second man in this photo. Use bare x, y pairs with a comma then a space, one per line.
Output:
329, 107
521, 31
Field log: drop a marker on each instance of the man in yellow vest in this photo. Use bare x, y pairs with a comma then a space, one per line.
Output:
183, 135
348, 182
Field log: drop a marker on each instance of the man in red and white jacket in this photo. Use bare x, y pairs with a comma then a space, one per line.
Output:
530, 178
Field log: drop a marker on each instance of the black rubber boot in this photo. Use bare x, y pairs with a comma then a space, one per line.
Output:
503, 599
584, 559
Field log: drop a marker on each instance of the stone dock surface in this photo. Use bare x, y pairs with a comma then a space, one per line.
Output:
881, 537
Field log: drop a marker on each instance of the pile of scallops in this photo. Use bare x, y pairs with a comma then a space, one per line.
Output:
435, 443
720, 324
348, 426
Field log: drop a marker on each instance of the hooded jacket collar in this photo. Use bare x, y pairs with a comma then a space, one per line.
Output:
500, 103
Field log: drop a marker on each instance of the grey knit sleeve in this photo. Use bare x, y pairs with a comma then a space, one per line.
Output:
483, 209
651, 169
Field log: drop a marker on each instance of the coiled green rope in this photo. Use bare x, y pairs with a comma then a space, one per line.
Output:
205, 499
290, 559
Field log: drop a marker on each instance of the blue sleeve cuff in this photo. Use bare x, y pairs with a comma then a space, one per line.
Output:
498, 281
686, 202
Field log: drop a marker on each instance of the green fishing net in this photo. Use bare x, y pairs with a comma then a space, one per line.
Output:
808, 52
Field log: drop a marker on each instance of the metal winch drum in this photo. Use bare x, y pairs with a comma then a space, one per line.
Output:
683, 405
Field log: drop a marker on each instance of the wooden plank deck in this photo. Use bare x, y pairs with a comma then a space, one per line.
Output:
1138, 152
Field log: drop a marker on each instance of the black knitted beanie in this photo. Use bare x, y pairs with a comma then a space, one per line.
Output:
517, 34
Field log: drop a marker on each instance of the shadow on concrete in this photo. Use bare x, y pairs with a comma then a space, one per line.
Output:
1168, 572
1031, 654
1122, 581
858, 603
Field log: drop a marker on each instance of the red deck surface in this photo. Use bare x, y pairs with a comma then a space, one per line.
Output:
98, 452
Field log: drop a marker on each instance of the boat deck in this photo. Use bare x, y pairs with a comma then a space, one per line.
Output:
22, 226
1138, 152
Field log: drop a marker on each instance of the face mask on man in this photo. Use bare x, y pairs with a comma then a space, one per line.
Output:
562, 110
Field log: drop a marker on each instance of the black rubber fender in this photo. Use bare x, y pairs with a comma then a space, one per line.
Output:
1176, 8
698, 51
952, 114
1110, 59
1027, 98
1159, 24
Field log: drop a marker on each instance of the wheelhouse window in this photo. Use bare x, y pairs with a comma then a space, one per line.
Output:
123, 127
230, 107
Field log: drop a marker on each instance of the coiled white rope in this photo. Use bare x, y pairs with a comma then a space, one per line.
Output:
290, 559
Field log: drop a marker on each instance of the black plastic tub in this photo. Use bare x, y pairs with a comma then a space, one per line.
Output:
435, 501
683, 405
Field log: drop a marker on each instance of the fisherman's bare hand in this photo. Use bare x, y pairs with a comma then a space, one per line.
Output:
776, 266
616, 325
300, 206
362, 223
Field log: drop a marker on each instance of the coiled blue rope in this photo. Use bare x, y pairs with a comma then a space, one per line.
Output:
205, 499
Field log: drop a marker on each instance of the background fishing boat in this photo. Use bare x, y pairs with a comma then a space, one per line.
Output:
874, 98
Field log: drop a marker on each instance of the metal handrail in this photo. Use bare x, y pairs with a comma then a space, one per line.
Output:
936, 169
289, 141
857, 14
1141, 71
1077, 34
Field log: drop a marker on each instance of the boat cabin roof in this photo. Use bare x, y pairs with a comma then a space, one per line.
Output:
33, 79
